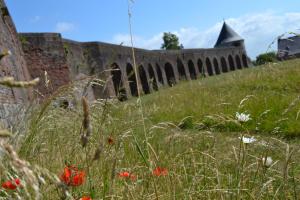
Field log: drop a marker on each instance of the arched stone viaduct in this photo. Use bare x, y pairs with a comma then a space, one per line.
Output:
155, 69
113, 63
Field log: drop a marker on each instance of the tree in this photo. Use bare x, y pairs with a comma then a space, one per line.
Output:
171, 42
266, 58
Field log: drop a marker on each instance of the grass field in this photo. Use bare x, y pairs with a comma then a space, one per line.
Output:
190, 131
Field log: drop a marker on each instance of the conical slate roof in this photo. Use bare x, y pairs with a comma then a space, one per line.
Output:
227, 35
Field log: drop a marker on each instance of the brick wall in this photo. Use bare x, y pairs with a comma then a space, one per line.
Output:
15, 64
45, 52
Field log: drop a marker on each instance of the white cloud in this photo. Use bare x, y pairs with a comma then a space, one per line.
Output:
63, 27
258, 30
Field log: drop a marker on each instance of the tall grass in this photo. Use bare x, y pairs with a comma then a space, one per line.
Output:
189, 131
195, 136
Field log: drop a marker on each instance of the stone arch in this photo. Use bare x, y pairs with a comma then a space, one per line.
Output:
116, 76
238, 62
209, 67
200, 67
159, 74
192, 70
152, 81
181, 70
170, 74
231, 63
216, 66
224, 65
144, 80
245, 62
131, 80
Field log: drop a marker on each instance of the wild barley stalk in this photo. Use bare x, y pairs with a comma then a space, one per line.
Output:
86, 131
139, 101
10, 82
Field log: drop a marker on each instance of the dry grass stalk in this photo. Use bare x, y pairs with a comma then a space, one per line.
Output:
10, 82
5, 53
86, 123
5, 134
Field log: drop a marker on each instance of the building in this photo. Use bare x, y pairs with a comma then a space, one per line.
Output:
289, 48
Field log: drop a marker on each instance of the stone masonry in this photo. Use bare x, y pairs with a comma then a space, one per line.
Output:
14, 65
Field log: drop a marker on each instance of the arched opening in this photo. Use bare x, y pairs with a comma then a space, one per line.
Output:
152, 80
216, 66
116, 74
201, 68
132, 80
209, 67
192, 70
181, 71
159, 74
224, 65
231, 63
144, 80
170, 74
238, 62
245, 62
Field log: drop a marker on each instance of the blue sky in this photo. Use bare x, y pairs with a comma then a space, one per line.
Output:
196, 22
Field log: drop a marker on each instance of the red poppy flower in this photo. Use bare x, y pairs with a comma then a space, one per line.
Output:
124, 174
78, 179
86, 198
18, 181
158, 171
72, 176
11, 185
127, 175
110, 140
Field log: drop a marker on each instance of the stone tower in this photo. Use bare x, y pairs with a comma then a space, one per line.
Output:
229, 38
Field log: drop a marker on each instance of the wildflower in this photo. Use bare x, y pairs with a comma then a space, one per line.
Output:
158, 171
78, 179
127, 175
72, 176
242, 117
85, 198
267, 162
110, 140
247, 140
11, 185
124, 174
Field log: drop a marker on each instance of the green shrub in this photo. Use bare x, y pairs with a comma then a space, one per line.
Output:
266, 58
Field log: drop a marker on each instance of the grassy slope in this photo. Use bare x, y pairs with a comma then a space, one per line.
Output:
273, 89
205, 159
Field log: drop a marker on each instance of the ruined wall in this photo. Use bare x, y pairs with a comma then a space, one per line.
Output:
289, 47
45, 52
15, 64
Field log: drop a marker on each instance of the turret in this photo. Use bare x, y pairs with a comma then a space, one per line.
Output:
229, 38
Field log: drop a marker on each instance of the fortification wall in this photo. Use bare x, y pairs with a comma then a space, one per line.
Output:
67, 60
44, 52
15, 64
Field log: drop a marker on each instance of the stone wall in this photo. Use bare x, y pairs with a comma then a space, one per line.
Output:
13, 102
45, 53
289, 47
15, 64
67, 60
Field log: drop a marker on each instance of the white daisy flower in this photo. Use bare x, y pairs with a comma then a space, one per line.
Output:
242, 117
267, 162
247, 140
